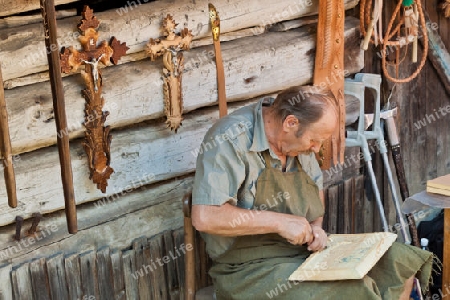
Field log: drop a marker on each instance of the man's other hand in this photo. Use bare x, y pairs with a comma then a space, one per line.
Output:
320, 239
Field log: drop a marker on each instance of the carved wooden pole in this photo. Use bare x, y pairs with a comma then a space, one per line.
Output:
48, 13
97, 137
5, 151
171, 49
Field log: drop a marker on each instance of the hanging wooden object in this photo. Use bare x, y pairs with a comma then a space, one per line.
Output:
97, 137
329, 72
171, 49
5, 150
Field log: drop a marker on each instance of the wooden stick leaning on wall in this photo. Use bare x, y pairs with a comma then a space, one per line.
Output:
215, 28
48, 14
5, 151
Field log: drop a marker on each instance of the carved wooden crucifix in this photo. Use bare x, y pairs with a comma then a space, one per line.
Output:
97, 137
171, 50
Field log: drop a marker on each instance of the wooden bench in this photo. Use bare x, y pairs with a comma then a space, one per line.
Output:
190, 292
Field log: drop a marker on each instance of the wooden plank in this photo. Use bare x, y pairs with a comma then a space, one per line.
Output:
105, 274
117, 269
173, 285
21, 281
144, 267
10, 7
359, 200
129, 269
341, 213
178, 237
157, 277
57, 277
136, 30
14, 21
347, 205
73, 276
39, 279
6, 291
89, 280
446, 252
129, 101
332, 201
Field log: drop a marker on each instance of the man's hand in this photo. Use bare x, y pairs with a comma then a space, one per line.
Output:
319, 239
296, 230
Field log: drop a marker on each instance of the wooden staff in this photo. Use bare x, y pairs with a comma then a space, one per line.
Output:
51, 43
10, 179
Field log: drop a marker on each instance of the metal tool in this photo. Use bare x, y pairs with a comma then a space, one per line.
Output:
36, 219
372, 82
358, 139
19, 223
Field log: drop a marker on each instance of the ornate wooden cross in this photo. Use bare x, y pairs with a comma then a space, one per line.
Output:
171, 50
97, 137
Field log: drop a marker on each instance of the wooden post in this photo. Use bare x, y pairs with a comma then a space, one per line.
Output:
446, 254
189, 238
51, 43
5, 151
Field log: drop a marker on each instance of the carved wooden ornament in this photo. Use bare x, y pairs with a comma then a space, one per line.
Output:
171, 50
97, 136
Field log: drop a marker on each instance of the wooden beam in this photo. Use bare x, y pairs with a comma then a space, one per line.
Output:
11, 7
136, 25
254, 66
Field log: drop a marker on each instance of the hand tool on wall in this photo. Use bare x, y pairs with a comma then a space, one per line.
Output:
358, 139
215, 28
51, 43
5, 151
372, 82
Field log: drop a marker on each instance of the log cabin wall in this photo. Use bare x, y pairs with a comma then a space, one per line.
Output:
139, 218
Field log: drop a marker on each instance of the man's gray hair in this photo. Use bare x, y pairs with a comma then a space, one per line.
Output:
306, 103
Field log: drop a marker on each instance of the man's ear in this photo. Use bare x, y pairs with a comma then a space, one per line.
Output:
291, 123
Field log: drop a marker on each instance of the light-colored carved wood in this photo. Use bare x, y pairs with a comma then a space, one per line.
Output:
255, 66
171, 50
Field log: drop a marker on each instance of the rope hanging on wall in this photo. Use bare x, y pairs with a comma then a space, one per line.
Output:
403, 29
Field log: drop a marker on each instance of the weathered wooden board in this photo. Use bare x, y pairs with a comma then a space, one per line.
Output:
88, 271
73, 276
144, 268
171, 272
105, 274
117, 269
5, 284
129, 269
21, 281
32, 19
133, 92
137, 25
57, 277
157, 276
10, 7
39, 279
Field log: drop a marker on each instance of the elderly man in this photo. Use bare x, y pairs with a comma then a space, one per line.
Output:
258, 200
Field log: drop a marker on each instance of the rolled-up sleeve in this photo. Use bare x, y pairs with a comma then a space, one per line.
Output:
219, 173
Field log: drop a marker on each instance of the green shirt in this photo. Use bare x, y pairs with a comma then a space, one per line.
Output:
229, 163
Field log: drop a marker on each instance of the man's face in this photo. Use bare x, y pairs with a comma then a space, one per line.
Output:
312, 138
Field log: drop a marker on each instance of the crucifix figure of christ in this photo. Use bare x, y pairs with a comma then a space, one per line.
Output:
171, 50
97, 137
